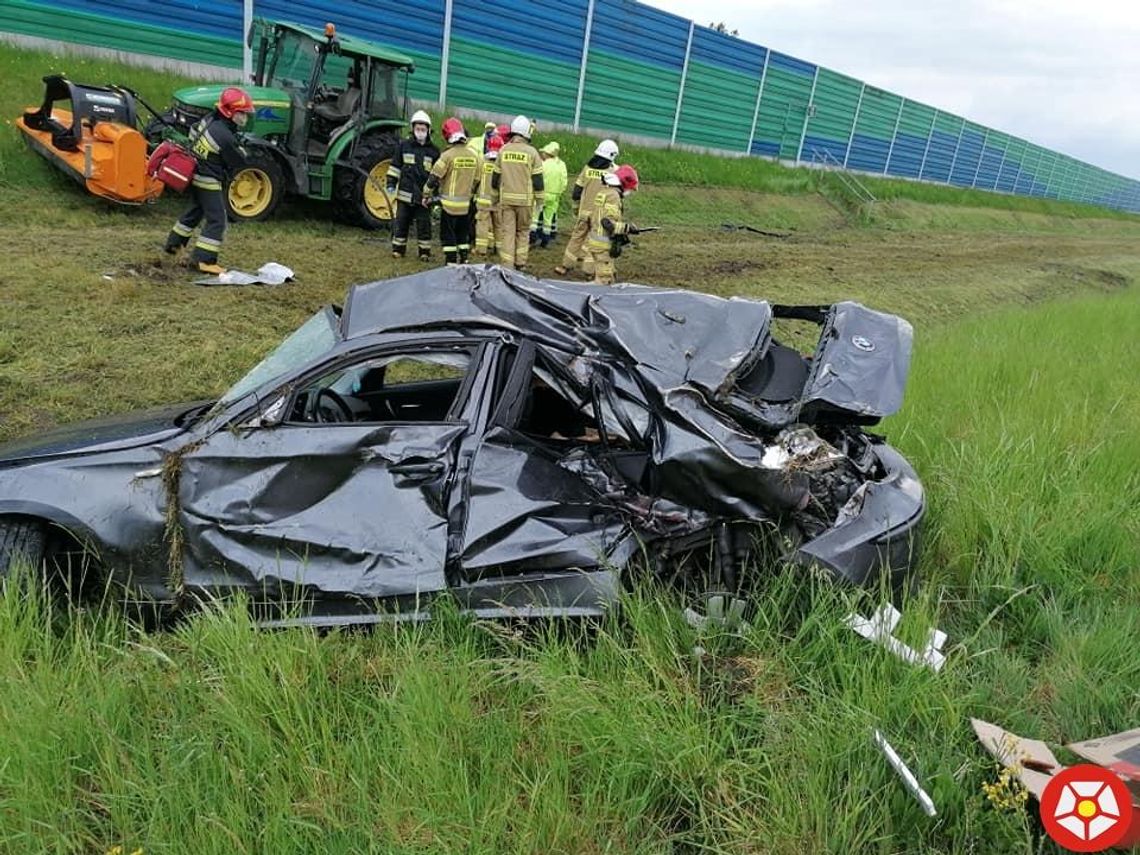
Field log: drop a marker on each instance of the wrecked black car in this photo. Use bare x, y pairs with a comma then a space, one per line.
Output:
520, 444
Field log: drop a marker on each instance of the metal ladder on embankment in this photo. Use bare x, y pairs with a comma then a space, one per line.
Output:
840, 188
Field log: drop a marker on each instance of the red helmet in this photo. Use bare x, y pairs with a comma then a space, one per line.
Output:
494, 142
627, 177
504, 131
234, 100
453, 130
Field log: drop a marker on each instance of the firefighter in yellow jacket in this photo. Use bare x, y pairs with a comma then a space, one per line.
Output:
454, 176
608, 228
544, 223
487, 202
517, 180
586, 187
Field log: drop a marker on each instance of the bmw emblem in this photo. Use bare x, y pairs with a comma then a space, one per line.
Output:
864, 344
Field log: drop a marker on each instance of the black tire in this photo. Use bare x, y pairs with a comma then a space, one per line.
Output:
356, 199
22, 542
256, 188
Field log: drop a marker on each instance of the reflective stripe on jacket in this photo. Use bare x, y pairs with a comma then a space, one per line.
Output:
456, 173
518, 164
411, 167
590, 183
486, 199
606, 204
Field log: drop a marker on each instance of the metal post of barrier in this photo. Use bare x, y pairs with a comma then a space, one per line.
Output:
981, 157
926, 150
585, 59
807, 114
957, 148
681, 91
1020, 165
445, 54
894, 136
1001, 164
854, 124
246, 48
759, 93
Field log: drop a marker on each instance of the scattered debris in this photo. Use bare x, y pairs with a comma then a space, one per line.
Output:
270, 273
879, 628
907, 776
742, 227
730, 618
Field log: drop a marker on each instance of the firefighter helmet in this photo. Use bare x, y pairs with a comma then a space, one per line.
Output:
521, 126
625, 177
420, 118
607, 149
494, 143
453, 130
233, 101
504, 131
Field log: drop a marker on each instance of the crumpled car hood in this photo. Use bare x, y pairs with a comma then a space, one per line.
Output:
143, 427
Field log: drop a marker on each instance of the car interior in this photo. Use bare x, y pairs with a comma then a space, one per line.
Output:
410, 387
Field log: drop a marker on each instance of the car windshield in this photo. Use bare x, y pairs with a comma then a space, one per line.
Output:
316, 336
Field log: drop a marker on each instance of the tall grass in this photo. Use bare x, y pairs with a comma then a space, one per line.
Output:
21, 71
625, 737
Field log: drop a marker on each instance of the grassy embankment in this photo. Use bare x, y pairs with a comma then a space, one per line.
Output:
1020, 417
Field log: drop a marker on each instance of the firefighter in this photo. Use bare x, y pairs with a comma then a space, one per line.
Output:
214, 142
544, 223
586, 187
487, 218
454, 176
407, 176
517, 180
607, 224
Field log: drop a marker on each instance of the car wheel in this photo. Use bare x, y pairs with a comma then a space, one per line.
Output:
359, 192
22, 544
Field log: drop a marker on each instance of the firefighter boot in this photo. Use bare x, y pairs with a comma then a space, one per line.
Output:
212, 268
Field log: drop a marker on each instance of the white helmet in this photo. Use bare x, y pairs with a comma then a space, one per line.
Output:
607, 149
521, 126
420, 118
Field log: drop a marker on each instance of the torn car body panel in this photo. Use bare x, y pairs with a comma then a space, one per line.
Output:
514, 441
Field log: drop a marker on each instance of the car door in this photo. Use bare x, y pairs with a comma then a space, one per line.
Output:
347, 496
541, 527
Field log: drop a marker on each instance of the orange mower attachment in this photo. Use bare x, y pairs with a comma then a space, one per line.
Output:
97, 142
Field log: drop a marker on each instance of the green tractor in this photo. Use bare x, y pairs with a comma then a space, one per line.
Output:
329, 111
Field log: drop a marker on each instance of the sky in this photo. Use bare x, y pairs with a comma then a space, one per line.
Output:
1064, 74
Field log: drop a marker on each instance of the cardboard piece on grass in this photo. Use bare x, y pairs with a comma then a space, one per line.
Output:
1035, 764
1031, 758
1119, 753
270, 273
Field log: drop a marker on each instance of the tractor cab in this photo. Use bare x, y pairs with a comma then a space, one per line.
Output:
334, 84
328, 113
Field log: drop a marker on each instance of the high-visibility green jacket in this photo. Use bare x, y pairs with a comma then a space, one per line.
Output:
554, 178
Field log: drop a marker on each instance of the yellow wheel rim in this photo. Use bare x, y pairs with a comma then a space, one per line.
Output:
251, 191
377, 200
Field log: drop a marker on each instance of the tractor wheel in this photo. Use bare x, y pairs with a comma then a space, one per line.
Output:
255, 190
358, 191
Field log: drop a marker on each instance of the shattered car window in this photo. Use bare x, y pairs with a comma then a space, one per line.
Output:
316, 336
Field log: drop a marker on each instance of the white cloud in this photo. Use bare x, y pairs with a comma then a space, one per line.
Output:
1060, 74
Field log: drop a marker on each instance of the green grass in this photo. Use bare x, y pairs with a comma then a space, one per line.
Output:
460, 736
22, 70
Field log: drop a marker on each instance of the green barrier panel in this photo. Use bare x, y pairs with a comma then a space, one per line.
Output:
783, 109
717, 108
629, 96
